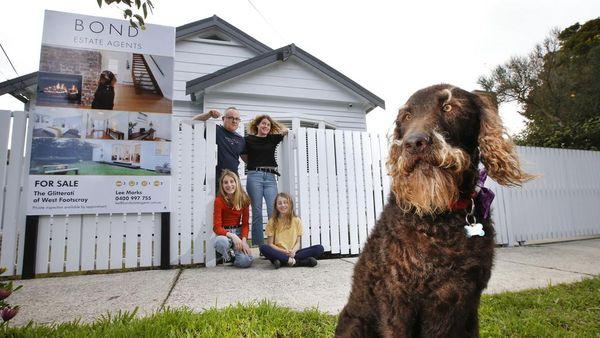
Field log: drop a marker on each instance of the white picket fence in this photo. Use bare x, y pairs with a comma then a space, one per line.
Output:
338, 180
563, 202
111, 241
341, 187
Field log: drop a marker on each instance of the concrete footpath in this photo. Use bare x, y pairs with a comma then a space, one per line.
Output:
325, 287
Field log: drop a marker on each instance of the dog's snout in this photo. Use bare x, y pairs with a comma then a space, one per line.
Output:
417, 142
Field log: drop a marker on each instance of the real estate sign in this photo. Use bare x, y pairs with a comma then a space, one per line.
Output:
102, 117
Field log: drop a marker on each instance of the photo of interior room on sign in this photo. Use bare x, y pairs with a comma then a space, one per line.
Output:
106, 125
58, 123
149, 127
107, 80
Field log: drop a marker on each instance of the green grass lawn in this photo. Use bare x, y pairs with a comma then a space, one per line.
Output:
570, 310
95, 168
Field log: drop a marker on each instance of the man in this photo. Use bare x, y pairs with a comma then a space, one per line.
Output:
230, 143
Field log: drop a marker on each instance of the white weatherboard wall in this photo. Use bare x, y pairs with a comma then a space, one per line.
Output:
338, 180
291, 89
337, 114
195, 57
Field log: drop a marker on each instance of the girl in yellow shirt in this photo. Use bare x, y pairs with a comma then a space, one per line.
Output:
284, 231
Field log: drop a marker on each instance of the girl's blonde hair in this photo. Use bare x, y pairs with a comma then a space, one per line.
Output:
240, 198
283, 221
276, 127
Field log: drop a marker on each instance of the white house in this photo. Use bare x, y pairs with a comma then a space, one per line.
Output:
216, 66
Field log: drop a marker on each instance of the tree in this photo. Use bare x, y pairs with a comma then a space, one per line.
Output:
136, 11
558, 88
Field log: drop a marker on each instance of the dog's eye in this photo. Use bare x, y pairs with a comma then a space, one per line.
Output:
447, 108
407, 117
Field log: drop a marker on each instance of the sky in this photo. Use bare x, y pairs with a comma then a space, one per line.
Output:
392, 48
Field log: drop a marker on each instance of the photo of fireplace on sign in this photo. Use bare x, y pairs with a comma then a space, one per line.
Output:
51, 156
107, 80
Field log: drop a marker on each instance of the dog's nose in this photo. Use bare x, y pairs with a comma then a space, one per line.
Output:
417, 142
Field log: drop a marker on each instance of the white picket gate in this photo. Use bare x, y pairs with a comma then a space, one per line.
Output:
338, 180
341, 186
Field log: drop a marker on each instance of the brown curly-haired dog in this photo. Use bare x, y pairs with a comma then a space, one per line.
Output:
418, 274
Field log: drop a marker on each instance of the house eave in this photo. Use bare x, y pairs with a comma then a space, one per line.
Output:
17, 86
227, 28
281, 54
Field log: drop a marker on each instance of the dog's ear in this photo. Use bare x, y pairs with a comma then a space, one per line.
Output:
498, 153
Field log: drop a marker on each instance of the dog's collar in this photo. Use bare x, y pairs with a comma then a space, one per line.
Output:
481, 196
463, 203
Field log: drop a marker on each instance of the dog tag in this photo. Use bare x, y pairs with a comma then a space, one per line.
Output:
475, 229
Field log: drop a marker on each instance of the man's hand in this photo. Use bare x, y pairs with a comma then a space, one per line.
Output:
292, 253
214, 113
205, 116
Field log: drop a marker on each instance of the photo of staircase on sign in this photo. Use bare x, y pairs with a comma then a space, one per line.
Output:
143, 79
139, 81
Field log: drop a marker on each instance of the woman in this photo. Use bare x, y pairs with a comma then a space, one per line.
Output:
104, 96
264, 136
284, 232
230, 221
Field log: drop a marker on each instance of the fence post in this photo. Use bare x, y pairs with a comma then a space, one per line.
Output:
30, 247
165, 240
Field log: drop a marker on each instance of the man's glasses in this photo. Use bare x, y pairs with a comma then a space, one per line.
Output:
233, 119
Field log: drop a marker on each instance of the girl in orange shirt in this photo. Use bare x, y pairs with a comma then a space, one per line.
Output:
230, 221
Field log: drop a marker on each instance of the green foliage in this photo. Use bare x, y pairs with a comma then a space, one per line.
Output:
7, 312
568, 310
558, 87
136, 11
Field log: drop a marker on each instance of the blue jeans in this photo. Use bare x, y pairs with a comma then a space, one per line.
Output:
260, 185
273, 254
224, 245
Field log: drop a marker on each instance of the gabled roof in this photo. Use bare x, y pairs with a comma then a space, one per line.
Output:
225, 27
18, 85
281, 54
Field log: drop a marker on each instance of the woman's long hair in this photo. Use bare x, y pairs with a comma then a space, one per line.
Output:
240, 198
276, 127
283, 221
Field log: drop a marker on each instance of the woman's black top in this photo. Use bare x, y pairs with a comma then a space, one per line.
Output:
104, 97
261, 150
